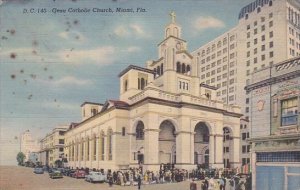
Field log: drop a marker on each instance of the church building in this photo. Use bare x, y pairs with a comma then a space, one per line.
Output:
164, 115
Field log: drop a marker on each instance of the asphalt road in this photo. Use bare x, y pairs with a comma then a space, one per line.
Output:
22, 178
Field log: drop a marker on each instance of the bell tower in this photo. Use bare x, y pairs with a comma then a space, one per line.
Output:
171, 43
173, 29
174, 64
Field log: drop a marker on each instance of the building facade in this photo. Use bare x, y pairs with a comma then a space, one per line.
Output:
165, 115
52, 146
28, 145
275, 126
268, 31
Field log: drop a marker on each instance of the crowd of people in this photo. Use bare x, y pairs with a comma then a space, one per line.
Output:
166, 174
209, 179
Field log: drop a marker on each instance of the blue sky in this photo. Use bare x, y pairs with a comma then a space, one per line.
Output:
52, 62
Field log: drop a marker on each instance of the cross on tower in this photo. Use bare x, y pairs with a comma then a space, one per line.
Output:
173, 16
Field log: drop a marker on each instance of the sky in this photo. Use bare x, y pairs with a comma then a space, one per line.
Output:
53, 59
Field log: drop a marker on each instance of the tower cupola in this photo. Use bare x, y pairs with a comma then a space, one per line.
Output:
173, 29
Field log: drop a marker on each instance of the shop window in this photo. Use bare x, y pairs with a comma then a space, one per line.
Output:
289, 112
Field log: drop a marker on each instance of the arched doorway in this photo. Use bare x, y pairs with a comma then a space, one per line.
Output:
227, 147
139, 143
167, 143
206, 158
201, 144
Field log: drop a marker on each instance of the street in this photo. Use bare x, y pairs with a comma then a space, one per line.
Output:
22, 178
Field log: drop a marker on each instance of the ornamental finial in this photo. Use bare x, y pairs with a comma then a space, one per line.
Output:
173, 16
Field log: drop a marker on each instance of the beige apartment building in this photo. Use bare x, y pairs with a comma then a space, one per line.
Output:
165, 114
268, 31
52, 146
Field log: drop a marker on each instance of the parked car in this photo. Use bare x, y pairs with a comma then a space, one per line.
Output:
55, 174
62, 170
66, 171
70, 173
38, 170
50, 170
95, 177
79, 174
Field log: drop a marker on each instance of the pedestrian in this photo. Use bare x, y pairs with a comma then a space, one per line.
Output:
110, 181
139, 182
205, 184
211, 184
248, 185
222, 184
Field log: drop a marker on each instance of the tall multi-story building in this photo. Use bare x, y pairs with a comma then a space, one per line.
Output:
275, 126
52, 146
28, 145
268, 31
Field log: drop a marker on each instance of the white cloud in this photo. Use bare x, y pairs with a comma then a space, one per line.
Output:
133, 49
64, 35
121, 31
100, 55
70, 80
137, 29
66, 81
74, 36
205, 22
131, 30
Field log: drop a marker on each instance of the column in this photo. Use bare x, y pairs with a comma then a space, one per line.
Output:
219, 151
236, 152
184, 150
211, 150
151, 148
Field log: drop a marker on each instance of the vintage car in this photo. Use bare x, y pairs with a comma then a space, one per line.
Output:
70, 172
79, 174
55, 174
38, 170
95, 177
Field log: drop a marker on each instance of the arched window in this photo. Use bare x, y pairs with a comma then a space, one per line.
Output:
94, 145
195, 157
167, 32
161, 69
206, 157
226, 134
101, 146
109, 144
142, 83
87, 146
176, 32
73, 148
123, 131
139, 131
178, 67
270, 3
82, 149
76, 150
183, 68
188, 69
125, 85
173, 57
69, 152
139, 83
94, 111
158, 70
258, 9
